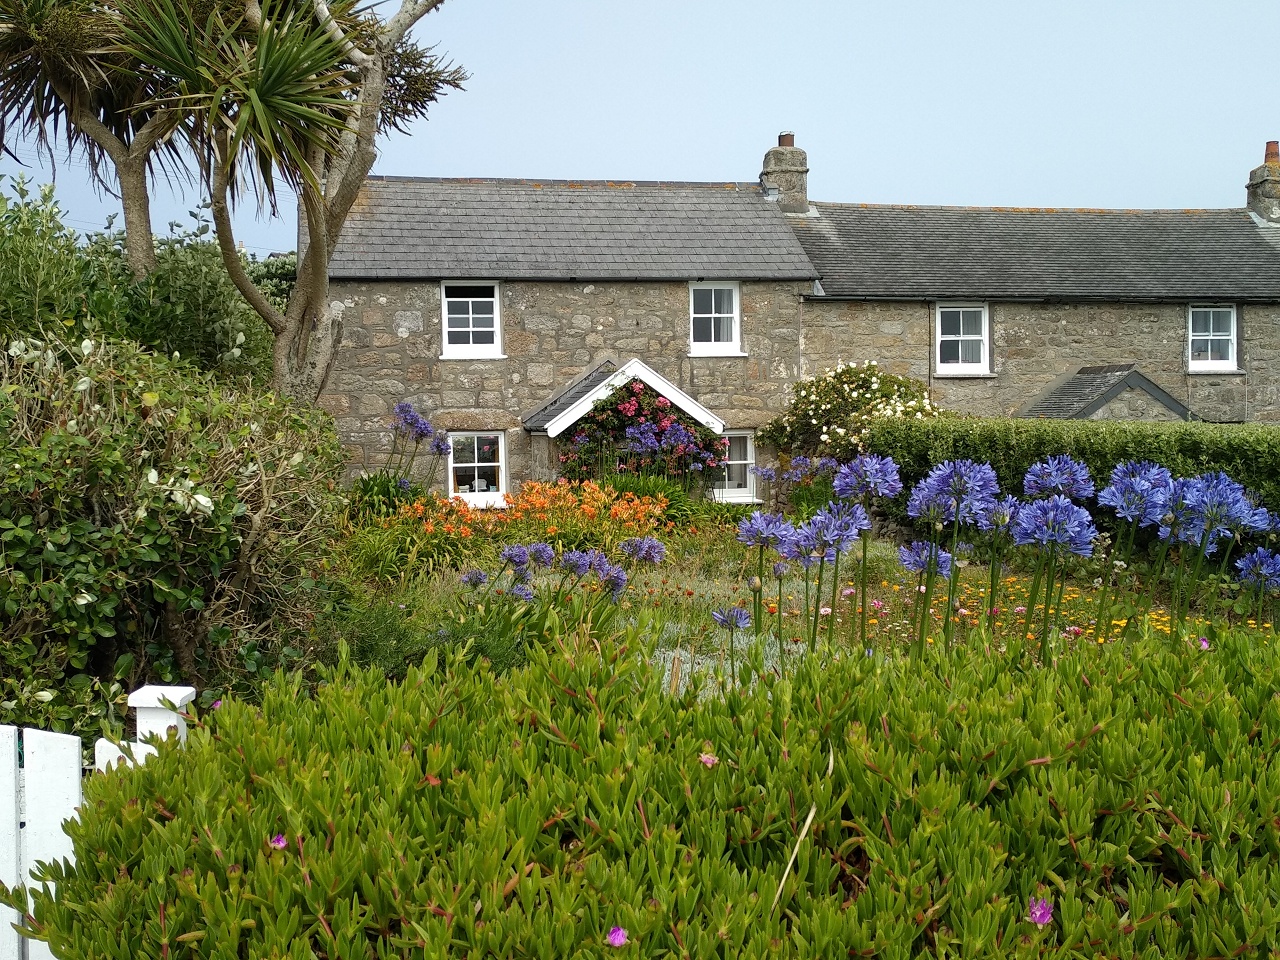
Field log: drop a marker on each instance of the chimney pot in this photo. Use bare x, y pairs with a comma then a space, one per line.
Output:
1264, 185
788, 139
785, 177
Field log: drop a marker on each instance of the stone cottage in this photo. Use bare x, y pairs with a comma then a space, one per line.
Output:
505, 308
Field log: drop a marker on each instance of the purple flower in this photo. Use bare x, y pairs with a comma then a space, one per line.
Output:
1204, 643
577, 562
617, 937
613, 578
732, 618
998, 516
278, 841
644, 549
440, 445
825, 465
1138, 492
215, 705
838, 524
1055, 521
768, 474
475, 578
762, 529
1040, 911
1058, 474
410, 424
515, 555
522, 591
920, 556
868, 475
403, 483
954, 489
1219, 508
1261, 568
708, 760
781, 569
541, 554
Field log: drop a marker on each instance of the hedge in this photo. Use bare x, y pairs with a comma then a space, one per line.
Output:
926, 803
1249, 453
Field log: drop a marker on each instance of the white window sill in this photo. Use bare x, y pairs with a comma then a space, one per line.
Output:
473, 356
729, 352
964, 375
483, 501
722, 499
1212, 371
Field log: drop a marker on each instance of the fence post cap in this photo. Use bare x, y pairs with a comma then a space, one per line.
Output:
153, 697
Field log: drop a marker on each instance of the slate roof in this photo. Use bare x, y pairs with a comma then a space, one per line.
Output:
558, 404
1091, 388
429, 228
988, 253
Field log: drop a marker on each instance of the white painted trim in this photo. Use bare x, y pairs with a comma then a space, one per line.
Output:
490, 498
636, 370
749, 494
941, 369
719, 348
491, 351
1215, 366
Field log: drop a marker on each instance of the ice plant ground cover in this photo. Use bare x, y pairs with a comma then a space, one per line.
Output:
1121, 800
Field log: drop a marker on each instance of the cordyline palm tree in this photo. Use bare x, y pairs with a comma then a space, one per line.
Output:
251, 94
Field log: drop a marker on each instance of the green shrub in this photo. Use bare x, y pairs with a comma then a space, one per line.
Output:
147, 510
830, 413
680, 506
1249, 453
188, 305
892, 809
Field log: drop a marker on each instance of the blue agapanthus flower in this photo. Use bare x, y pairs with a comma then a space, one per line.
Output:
515, 554
762, 529
577, 562
825, 465
475, 578
522, 591
1058, 474
838, 524
1138, 492
644, 549
781, 569
1055, 522
920, 556
801, 544
542, 554
798, 469
999, 516
732, 618
1261, 568
768, 474
410, 424
1219, 509
613, 578
868, 475
954, 488
440, 444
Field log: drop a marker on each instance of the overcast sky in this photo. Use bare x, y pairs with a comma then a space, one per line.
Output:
1082, 103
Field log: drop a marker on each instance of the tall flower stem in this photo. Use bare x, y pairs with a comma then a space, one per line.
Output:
757, 601
1184, 596
865, 537
926, 602
948, 627
993, 585
733, 660
780, 638
835, 589
1030, 610
806, 602
1050, 576
817, 604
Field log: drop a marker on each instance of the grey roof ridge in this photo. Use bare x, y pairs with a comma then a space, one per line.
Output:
561, 182
1133, 378
933, 207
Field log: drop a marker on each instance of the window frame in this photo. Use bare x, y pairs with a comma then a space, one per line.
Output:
717, 348
1231, 365
470, 351
749, 495
961, 369
489, 498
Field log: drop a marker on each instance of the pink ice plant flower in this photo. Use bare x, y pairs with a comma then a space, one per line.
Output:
708, 759
278, 841
617, 937
1040, 911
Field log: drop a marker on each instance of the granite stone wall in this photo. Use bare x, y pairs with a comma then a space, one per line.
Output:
555, 331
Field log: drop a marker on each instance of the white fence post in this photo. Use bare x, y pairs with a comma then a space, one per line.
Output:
40, 793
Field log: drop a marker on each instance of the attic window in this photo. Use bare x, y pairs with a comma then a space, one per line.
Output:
962, 340
472, 321
1211, 344
714, 320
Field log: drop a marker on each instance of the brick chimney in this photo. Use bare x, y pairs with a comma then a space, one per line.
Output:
1264, 185
786, 172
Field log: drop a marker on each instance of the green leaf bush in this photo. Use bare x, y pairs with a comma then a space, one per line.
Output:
1137, 790
148, 511
1249, 453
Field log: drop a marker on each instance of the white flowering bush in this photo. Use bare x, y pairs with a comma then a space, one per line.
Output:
153, 522
831, 413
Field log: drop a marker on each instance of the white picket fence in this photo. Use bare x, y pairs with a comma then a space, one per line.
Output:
41, 777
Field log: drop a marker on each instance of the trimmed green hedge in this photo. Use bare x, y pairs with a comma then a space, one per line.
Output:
1249, 453
455, 814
